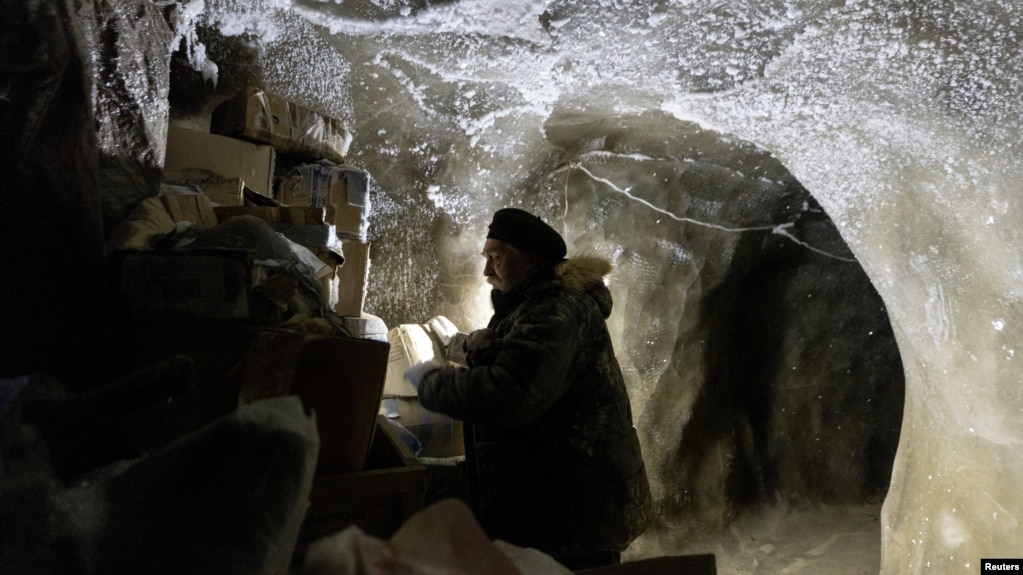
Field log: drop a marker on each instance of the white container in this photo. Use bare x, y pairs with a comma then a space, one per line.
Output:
411, 344
368, 326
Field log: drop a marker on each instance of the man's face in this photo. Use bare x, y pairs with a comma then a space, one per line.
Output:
506, 266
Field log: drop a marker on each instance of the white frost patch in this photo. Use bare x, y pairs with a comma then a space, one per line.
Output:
938, 323
952, 531
195, 50
249, 18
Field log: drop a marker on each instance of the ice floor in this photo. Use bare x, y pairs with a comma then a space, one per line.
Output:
788, 540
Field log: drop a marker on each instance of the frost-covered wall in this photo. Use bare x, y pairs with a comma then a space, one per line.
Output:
902, 119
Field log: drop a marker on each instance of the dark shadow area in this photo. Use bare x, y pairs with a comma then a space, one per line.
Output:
804, 385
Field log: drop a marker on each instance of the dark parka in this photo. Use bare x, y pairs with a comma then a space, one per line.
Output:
554, 460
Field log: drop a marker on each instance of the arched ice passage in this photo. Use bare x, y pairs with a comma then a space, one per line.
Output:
761, 363
901, 118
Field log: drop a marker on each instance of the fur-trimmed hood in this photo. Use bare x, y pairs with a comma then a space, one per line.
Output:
579, 272
585, 274
580, 275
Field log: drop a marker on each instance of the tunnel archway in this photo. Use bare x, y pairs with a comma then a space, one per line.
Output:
763, 365
728, 275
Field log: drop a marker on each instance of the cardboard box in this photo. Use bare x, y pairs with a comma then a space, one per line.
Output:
338, 378
219, 283
222, 155
209, 283
300, 216
368, 326
390, 489
194, 208
157, 216
439, 434
221, 190
352, 278
344, 191
292, 129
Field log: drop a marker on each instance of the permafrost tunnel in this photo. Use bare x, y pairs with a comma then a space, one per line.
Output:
813, 210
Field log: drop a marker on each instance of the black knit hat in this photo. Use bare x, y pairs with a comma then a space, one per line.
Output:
528, 233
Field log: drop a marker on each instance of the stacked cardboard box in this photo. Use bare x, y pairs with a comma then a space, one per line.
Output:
365, 474
257, 115
316, 146
197, 157
293, 159
293, 156
344, 192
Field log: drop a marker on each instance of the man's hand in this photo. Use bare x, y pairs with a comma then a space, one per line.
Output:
442, 328
416, 373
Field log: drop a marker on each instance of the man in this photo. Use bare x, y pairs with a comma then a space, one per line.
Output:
553, 459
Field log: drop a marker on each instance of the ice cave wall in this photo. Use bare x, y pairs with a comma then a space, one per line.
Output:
920, 169
899, 120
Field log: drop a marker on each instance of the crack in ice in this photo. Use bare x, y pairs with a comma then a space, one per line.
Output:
778, 229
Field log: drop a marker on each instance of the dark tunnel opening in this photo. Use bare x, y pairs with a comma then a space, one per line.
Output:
818, 419
783, 379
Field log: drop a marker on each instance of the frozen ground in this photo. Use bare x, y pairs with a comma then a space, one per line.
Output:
788, 540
